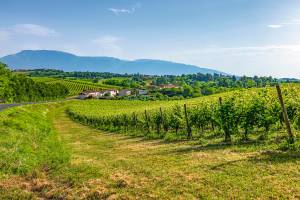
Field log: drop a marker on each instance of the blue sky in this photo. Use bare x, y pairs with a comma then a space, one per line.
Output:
251, 37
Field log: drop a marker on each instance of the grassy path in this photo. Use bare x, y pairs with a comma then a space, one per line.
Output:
132, 168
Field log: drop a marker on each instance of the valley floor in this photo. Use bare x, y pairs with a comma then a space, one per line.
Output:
132, 168
112, 166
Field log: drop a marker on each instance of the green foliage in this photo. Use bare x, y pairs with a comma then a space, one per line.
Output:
28, 142
187, 86
123, 82
4, 80
288, 146
297, 122
19, 88
74, 86
228, 118
238, 113
251, 114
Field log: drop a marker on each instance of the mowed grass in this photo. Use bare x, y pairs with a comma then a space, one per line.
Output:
133, 168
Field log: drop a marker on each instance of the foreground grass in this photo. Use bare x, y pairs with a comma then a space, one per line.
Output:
98, 165
29, 148
34, 162
134, 168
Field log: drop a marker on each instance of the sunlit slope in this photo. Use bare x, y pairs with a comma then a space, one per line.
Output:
110, 107
75, 86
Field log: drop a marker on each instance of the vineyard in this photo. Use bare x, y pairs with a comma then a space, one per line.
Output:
243, 115
74, 86
47, 154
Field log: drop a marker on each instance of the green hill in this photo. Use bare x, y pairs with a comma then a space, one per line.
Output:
74, 86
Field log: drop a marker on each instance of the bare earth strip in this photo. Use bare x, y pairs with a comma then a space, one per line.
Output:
133, 168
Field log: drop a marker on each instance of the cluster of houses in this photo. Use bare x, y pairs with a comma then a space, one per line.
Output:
168, 86
110, 93
102, 94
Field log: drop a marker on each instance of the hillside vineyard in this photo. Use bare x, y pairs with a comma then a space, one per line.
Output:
236, 113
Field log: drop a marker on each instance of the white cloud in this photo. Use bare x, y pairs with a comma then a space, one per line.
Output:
283, 24
266, 48
275, 25
34, 29
119, 11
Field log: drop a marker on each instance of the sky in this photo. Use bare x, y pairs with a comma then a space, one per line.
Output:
242, 37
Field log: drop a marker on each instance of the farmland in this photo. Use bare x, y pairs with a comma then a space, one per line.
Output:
239, 113
75, 86
210, 147
86, 163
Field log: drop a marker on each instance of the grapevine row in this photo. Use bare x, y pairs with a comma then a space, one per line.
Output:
237, 114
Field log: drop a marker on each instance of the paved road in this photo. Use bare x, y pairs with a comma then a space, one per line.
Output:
5, 106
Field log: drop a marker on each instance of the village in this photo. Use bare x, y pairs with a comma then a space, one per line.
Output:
113, 93
108, 94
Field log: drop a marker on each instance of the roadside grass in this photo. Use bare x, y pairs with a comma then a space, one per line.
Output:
28, 142
29, 148
34, 162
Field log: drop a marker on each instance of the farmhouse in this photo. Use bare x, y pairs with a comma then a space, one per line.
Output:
89, 94
123, 93
109, 93
169, 86
142, 92
97, 94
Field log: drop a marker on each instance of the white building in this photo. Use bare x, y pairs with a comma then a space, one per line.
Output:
89, 94
142, 92
109, 93
123, 93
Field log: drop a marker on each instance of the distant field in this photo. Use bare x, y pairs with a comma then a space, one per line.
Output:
75, 86
92, 107
109, 107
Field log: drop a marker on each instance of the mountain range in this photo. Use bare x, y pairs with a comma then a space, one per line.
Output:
37, 59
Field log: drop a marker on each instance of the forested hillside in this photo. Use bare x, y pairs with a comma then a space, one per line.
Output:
19, 88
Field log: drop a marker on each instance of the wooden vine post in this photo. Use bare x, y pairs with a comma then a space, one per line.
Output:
285, 115
220, 101
147, 122
161, 117
188, 128
134, 120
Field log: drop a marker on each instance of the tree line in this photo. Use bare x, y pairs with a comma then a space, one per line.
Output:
16, 87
